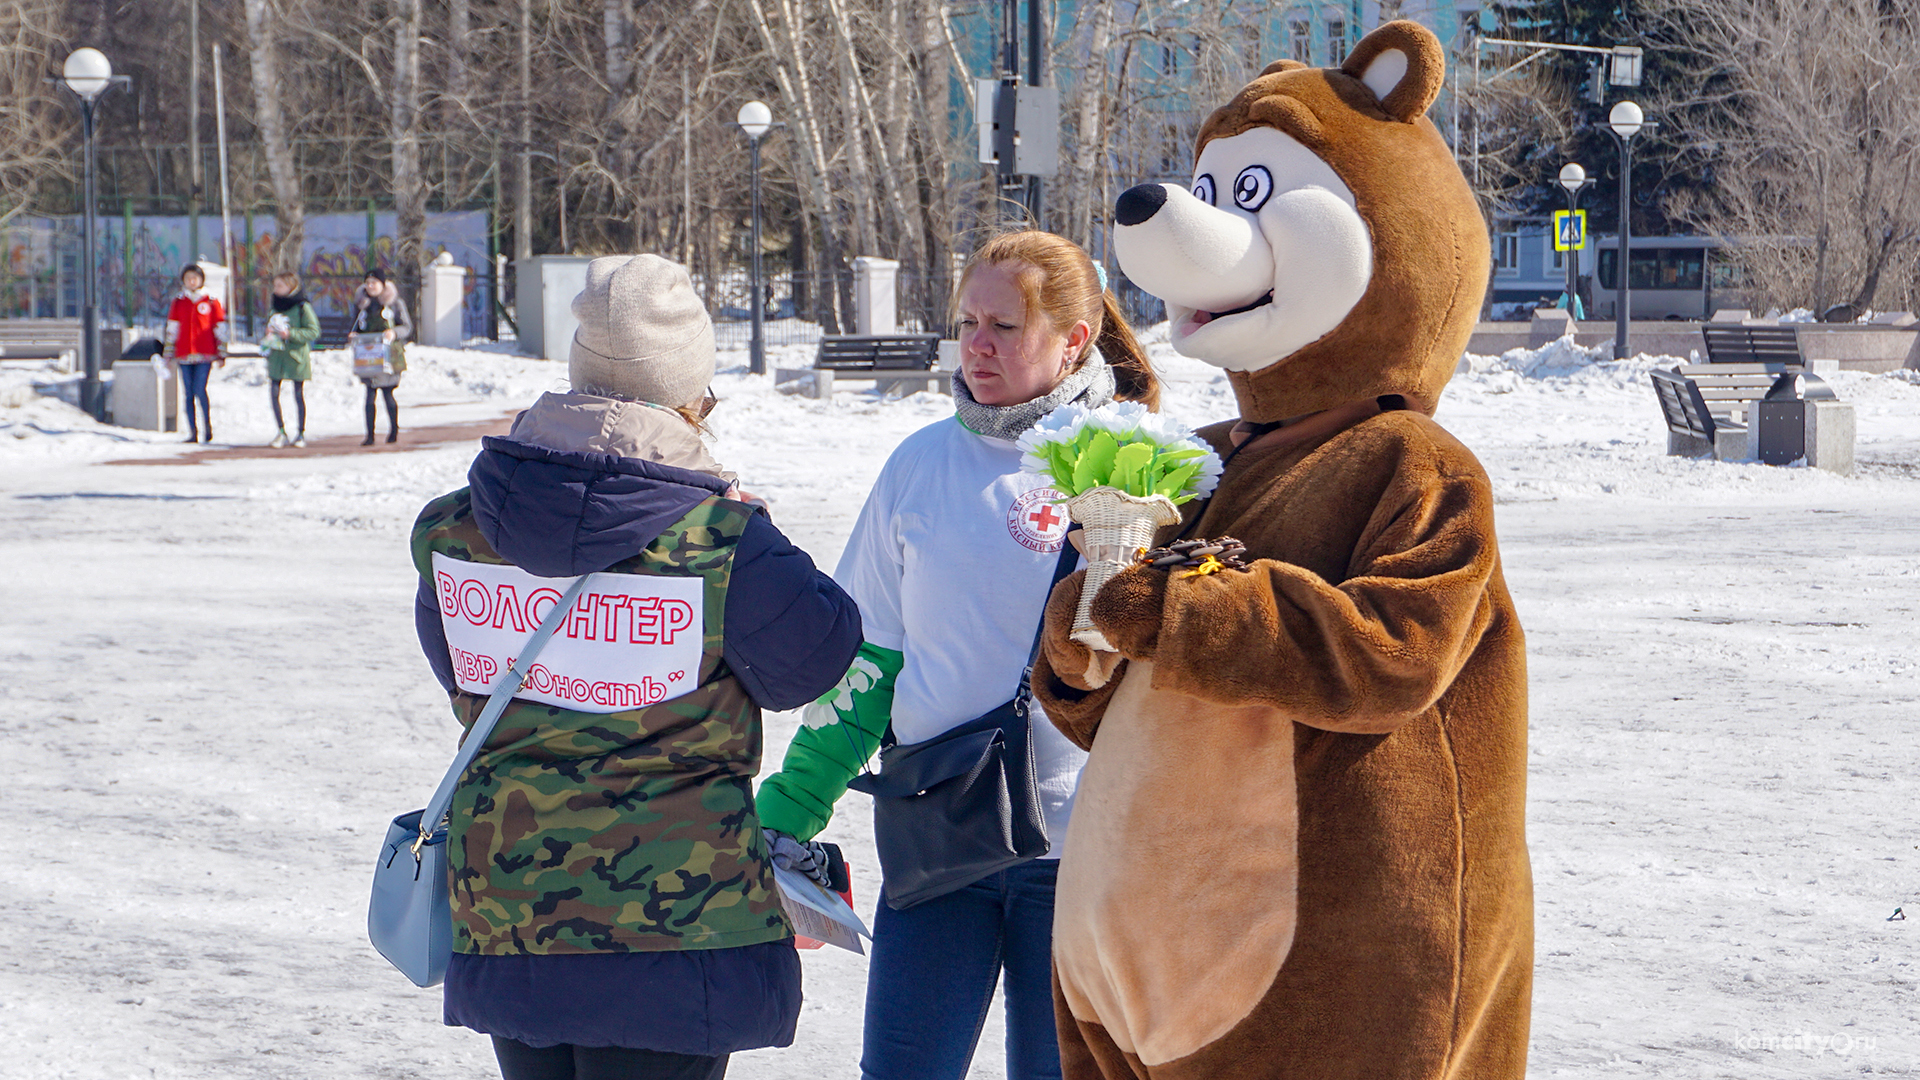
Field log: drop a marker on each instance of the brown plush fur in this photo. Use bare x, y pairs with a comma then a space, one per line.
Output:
1298, 848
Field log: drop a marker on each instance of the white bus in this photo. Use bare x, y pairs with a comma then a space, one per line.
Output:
1671, 277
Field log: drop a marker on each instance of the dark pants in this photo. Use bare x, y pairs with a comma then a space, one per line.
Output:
299, 405
933, 974
393, 411
193, 383
518, 1061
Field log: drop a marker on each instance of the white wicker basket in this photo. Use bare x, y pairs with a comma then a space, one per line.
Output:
1116, 527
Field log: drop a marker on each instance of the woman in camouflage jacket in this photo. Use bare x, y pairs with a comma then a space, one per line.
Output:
614, 907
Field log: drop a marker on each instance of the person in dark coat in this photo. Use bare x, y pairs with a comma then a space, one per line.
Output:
615, 912
380, 318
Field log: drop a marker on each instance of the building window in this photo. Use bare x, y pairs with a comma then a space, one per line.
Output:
1506, 252
1336, 42
1558, 257
1300, 40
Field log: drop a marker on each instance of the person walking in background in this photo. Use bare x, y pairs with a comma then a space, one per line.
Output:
378, 336
291, 331
951, 561
615, 914
196, 329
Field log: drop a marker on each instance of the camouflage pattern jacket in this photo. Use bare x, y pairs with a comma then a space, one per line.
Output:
603, 829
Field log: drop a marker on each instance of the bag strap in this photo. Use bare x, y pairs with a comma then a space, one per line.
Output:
1069, 561
504, 687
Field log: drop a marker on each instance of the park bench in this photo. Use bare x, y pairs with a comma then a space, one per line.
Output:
333, 331
40, 339
1709, 407
1738, 344
55, 339
1692, 428
892, 361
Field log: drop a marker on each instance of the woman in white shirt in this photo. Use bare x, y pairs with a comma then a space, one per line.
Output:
950, 562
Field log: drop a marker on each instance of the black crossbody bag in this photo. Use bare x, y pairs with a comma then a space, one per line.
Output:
965, 804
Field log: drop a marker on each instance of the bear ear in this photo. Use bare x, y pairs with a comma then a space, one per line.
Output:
1404, 66
1279, 66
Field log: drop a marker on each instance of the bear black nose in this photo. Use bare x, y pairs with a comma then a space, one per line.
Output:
1137, 204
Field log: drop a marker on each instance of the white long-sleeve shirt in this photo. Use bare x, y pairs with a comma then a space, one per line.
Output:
950, 562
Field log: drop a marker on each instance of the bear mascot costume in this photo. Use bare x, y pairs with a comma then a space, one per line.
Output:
1298, 848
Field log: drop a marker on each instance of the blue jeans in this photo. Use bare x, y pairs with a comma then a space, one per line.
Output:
933, 972
193, 383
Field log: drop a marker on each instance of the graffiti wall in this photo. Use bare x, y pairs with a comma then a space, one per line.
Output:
138, 269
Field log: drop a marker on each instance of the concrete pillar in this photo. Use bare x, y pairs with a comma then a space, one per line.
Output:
1830, 436
1548, 326
873, 295
443, 297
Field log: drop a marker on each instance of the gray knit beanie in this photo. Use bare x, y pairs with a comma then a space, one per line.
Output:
643, 335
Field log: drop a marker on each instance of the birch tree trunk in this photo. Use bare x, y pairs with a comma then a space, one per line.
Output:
409, 189
1086, 159
458, 21
523, 160
797, 87
616, 28
270, 119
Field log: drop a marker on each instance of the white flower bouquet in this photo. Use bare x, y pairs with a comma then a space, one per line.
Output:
1123, 470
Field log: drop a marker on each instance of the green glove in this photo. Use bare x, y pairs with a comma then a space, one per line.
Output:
838, 735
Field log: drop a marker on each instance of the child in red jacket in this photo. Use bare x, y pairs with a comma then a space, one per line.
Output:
196, 327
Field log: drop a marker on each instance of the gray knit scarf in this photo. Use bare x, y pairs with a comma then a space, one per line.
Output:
1091, 386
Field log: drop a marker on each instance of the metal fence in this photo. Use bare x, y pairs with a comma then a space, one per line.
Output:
41, 278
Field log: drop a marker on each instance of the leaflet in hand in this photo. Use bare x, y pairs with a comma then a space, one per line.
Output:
819, 914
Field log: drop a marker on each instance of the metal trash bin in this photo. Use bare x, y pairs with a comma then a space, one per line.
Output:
1785, 420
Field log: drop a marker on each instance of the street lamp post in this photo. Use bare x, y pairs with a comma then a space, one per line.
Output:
1574, 179
88, 74
1625, 121
756, 120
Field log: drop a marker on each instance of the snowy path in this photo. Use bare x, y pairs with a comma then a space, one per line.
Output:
212, 701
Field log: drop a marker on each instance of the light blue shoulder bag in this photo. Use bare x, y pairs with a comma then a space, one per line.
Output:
410, 918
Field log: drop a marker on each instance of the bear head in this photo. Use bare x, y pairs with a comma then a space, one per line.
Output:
1329, 249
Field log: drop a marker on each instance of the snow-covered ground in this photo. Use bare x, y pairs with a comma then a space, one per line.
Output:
212, 703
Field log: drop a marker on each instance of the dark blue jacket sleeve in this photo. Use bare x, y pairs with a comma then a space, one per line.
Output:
433, 637
791, 632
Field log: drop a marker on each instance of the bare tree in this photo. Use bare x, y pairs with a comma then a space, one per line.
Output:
31, 119
1808, 117
270, 120
409, 188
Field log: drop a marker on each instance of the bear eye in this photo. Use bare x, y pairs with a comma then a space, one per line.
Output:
1203, 189
1251, 187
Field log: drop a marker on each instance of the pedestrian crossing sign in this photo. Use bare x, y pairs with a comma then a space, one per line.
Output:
1569, 230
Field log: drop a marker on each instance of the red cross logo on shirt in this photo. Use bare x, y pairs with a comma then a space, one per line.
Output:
1035, 520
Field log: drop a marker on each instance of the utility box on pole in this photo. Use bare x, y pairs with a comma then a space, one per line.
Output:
1019, 127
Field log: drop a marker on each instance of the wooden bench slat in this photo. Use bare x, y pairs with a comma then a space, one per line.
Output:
1752, 344
876, 352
